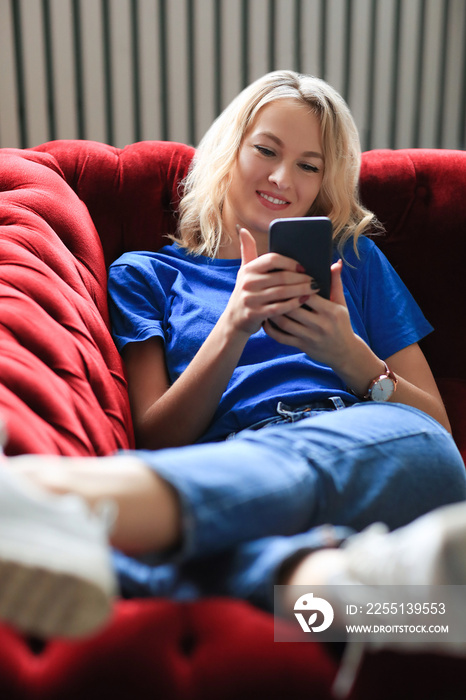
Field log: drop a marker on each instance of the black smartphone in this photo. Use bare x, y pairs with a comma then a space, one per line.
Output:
308, 240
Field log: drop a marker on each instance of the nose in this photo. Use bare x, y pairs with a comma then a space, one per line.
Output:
281, 176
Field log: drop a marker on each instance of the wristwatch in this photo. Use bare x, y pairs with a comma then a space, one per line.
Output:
382, 387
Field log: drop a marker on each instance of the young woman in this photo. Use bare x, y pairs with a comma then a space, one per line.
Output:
305, 411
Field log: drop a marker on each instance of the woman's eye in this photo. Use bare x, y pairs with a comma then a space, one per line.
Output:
264, 151
309, 168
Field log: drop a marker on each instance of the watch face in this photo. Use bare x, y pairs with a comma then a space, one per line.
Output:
382, 389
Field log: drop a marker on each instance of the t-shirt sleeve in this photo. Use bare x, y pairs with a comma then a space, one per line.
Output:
137, 300
392, 318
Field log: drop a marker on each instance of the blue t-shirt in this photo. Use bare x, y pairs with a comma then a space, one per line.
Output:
179, 297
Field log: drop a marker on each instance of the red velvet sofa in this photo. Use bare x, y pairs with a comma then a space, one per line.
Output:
69, 208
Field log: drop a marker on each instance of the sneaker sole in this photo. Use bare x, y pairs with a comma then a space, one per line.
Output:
45, 603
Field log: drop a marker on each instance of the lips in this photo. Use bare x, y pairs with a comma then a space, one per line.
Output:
272, 202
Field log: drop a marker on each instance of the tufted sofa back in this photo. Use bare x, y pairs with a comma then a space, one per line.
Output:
69, 208
420, 197
131, 193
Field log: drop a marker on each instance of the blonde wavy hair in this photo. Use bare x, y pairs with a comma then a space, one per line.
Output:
207, 183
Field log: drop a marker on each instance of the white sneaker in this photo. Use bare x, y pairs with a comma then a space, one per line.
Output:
429, 552
56, 576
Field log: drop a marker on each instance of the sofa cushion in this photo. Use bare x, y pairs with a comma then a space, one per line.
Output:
62, 385
206, 650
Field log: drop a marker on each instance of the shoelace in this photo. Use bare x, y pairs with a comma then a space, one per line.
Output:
106, 510
349, 668
353, 653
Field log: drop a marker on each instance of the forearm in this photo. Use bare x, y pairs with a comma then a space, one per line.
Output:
362, 365
185, 410
412, 395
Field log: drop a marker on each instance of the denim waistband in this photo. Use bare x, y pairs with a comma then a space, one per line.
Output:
292, 414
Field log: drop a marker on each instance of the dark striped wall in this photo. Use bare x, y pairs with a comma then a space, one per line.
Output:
124, 70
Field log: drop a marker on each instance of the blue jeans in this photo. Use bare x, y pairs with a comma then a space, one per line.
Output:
250, 503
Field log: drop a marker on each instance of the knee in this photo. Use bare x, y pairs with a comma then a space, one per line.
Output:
426, 457
423, 473
448, 463
438, 474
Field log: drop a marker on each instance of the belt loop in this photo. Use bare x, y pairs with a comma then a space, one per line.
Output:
337, 402
283, 410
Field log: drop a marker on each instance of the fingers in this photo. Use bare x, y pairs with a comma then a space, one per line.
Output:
281, 277
296, 325
279, 307
267, 262
248, 246
337, 295
267, 285
336, 289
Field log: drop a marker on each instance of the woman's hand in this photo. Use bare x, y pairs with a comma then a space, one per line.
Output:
165, 414
268, 286
323, 330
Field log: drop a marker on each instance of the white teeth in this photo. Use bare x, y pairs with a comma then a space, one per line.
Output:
273, 199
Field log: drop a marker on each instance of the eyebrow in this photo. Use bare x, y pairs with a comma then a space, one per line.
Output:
279, 142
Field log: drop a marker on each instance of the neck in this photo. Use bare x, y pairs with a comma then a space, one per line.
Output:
229, 248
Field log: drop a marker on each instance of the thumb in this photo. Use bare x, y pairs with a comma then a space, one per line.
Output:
248, 246
336, 291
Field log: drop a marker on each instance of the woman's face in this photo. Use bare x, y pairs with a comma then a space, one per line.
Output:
278, 172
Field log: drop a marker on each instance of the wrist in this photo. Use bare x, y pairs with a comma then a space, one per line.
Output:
366, 375
233, 329
381, 387
359, 367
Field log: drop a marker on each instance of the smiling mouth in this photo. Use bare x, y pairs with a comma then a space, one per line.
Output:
272, 200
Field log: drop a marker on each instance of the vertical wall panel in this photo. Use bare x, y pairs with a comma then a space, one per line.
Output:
258, 38
206, 67
310, 38
334, 43
419, 87
231, 40
91, 53
271, 31
177, 71
122, 87
149, 67
359, 89
455, 74
35, 80
407, 78
63, 69
462, 112
383, 73
123, 70
10, 113
429, 107
284, 34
